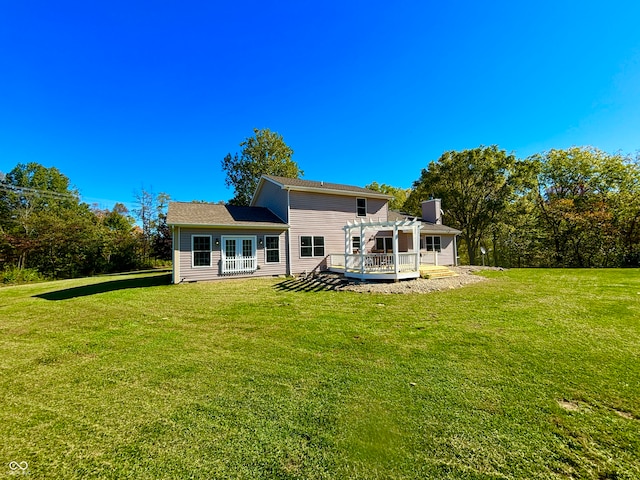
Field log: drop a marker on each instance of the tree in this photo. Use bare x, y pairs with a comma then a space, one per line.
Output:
587, 202
162, 242
399, 195
30, 195
151, 210
517, 237
67, 243
119, 239
475, 187
626, 215
144, 211
45, 227
263, 154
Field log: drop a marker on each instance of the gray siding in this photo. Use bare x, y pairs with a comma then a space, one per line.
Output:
273, 198
447, 256
317, 214
189, 273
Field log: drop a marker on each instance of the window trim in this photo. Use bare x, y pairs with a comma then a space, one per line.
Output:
358, 207
356, 243
313, 246
254, 244
194, 251
239, 247
433, 243
266, 249
384, 244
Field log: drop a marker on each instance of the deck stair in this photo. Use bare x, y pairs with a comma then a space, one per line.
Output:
436, 271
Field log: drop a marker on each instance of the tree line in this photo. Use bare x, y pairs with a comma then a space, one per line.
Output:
46, 231
577, 207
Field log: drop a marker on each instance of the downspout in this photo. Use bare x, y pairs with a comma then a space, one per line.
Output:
289, 268
455, 250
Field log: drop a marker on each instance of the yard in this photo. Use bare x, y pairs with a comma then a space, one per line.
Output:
532, 374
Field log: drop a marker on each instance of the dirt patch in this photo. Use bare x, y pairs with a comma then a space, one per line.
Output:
334, 281
626, 415
573, 406
569, 405
421, 285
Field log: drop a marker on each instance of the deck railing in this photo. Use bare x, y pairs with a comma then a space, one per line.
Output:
374, 262
407, 262
429, 258
233, 265
336, 260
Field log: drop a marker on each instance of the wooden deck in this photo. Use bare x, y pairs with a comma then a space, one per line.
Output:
376, 266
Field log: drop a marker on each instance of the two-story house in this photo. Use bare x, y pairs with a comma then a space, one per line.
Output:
295, 226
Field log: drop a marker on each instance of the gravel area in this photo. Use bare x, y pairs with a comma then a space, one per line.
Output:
334, 281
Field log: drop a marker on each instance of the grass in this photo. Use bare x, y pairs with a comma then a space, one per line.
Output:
533, 374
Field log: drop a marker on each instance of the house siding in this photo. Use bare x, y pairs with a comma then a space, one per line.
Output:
317, 214
189, 273
274, 198
405, 242
447, 256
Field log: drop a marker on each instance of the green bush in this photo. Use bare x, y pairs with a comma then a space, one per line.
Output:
14, 275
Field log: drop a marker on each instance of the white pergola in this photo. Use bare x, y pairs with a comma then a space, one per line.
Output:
403, 265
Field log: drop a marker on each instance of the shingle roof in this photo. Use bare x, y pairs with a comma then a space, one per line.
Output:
207, 214
298, 183
427, 227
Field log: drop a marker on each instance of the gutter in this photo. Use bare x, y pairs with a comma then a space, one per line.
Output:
284, 226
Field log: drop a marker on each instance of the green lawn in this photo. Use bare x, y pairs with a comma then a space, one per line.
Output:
533, 374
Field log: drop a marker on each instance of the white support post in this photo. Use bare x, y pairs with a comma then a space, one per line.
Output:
347, 249
176, 254
361, 249
396, 255
416, 244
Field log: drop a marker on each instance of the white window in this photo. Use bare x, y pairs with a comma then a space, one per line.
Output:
361, 207
312, 246
271, 249
384, 244
201, 250
432, 244
239, 254
355, 244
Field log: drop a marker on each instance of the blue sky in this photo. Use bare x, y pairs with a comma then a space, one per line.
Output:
127, 95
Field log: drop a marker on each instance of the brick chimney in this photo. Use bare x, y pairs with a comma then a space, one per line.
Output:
431, 211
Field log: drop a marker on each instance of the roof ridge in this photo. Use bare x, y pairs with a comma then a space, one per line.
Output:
322, 185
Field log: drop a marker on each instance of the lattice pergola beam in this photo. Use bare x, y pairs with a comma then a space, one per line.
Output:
380, 224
